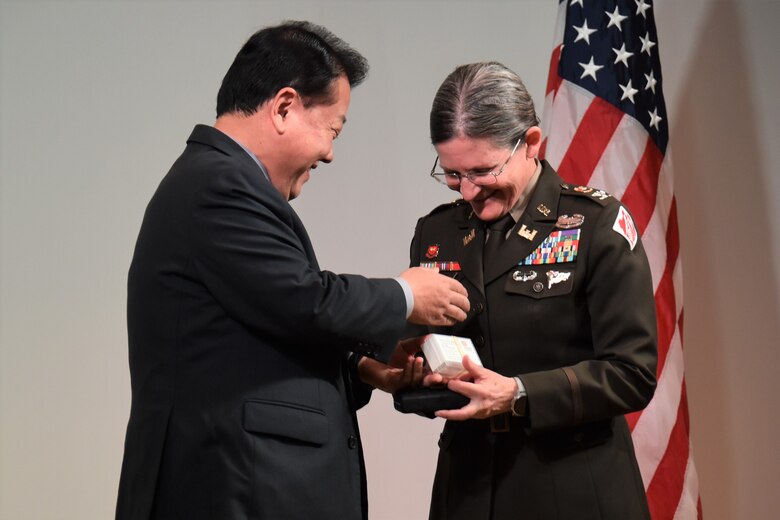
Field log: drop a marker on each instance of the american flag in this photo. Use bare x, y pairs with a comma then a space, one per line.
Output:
607, 127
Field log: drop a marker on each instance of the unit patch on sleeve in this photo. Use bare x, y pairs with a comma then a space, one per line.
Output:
624, 226
558, 247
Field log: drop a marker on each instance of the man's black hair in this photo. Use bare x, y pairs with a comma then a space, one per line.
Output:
297, 54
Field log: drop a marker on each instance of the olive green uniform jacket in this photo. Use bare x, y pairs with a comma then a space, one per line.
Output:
568, 306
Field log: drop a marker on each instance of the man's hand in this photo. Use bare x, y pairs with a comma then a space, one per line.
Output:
438, 300
403, 370
490, 393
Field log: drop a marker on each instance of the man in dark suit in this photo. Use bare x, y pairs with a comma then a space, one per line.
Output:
248, 361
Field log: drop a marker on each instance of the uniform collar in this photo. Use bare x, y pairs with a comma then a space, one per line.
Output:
522, 203
534, 225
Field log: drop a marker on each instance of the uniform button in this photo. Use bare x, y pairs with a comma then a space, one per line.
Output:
352, 442
538, 287
479, 341
478, 308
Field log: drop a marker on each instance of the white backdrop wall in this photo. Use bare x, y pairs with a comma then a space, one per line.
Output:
98, 97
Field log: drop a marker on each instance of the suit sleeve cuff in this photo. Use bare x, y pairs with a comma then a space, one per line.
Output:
408, 294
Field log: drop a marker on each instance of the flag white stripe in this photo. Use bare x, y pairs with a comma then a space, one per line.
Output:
678, 288
653, 429
615, 167
654, 242
545, 124
689, 499
569, 106
560, 24
621, 156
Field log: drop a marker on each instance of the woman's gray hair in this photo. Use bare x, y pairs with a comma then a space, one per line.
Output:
482, 100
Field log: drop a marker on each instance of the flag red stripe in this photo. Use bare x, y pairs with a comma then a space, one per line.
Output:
641, 193
665, 297
672, 239
665, 490
665, 315
543, 149
632, 418
590, 141
592, 136
553, 79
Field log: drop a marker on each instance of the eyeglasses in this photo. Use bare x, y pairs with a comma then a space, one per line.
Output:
453, 179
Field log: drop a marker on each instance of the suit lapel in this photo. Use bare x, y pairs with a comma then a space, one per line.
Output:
536, 223
303, 235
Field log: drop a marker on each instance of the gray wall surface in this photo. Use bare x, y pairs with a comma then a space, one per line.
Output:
98, 97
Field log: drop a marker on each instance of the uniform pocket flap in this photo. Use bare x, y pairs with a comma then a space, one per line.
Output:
286, 420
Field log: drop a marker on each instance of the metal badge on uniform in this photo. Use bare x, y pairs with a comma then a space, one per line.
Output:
441, 266
559, 247
554, 277
468, 238
523, 276
625, 227
583, 189
570, 221
433, 251
600, 194
526, 233
544, 210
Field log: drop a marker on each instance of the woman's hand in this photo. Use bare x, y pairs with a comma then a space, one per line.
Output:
490, 393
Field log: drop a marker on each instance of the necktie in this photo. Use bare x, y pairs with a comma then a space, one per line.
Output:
498, 229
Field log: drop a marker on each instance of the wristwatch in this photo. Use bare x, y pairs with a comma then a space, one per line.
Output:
519, 401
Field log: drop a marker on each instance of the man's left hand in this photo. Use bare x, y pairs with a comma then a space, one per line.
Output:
404, 369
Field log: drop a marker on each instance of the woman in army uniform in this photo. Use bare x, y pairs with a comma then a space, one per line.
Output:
562, 314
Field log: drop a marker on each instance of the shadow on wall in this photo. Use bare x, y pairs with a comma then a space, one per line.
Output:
730, 290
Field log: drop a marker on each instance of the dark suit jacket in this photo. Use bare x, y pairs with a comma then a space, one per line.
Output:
580, 333
243, 399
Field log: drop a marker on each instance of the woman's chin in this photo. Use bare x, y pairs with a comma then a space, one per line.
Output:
488, 210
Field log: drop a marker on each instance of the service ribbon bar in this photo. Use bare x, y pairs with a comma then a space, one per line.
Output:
559, 247
443, 266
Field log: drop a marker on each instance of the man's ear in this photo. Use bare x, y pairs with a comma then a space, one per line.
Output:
533, 141
281, 105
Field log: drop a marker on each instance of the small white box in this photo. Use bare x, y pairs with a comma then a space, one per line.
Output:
445, 354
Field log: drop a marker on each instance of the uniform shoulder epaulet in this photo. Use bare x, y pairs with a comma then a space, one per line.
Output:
454, 204
596, 195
